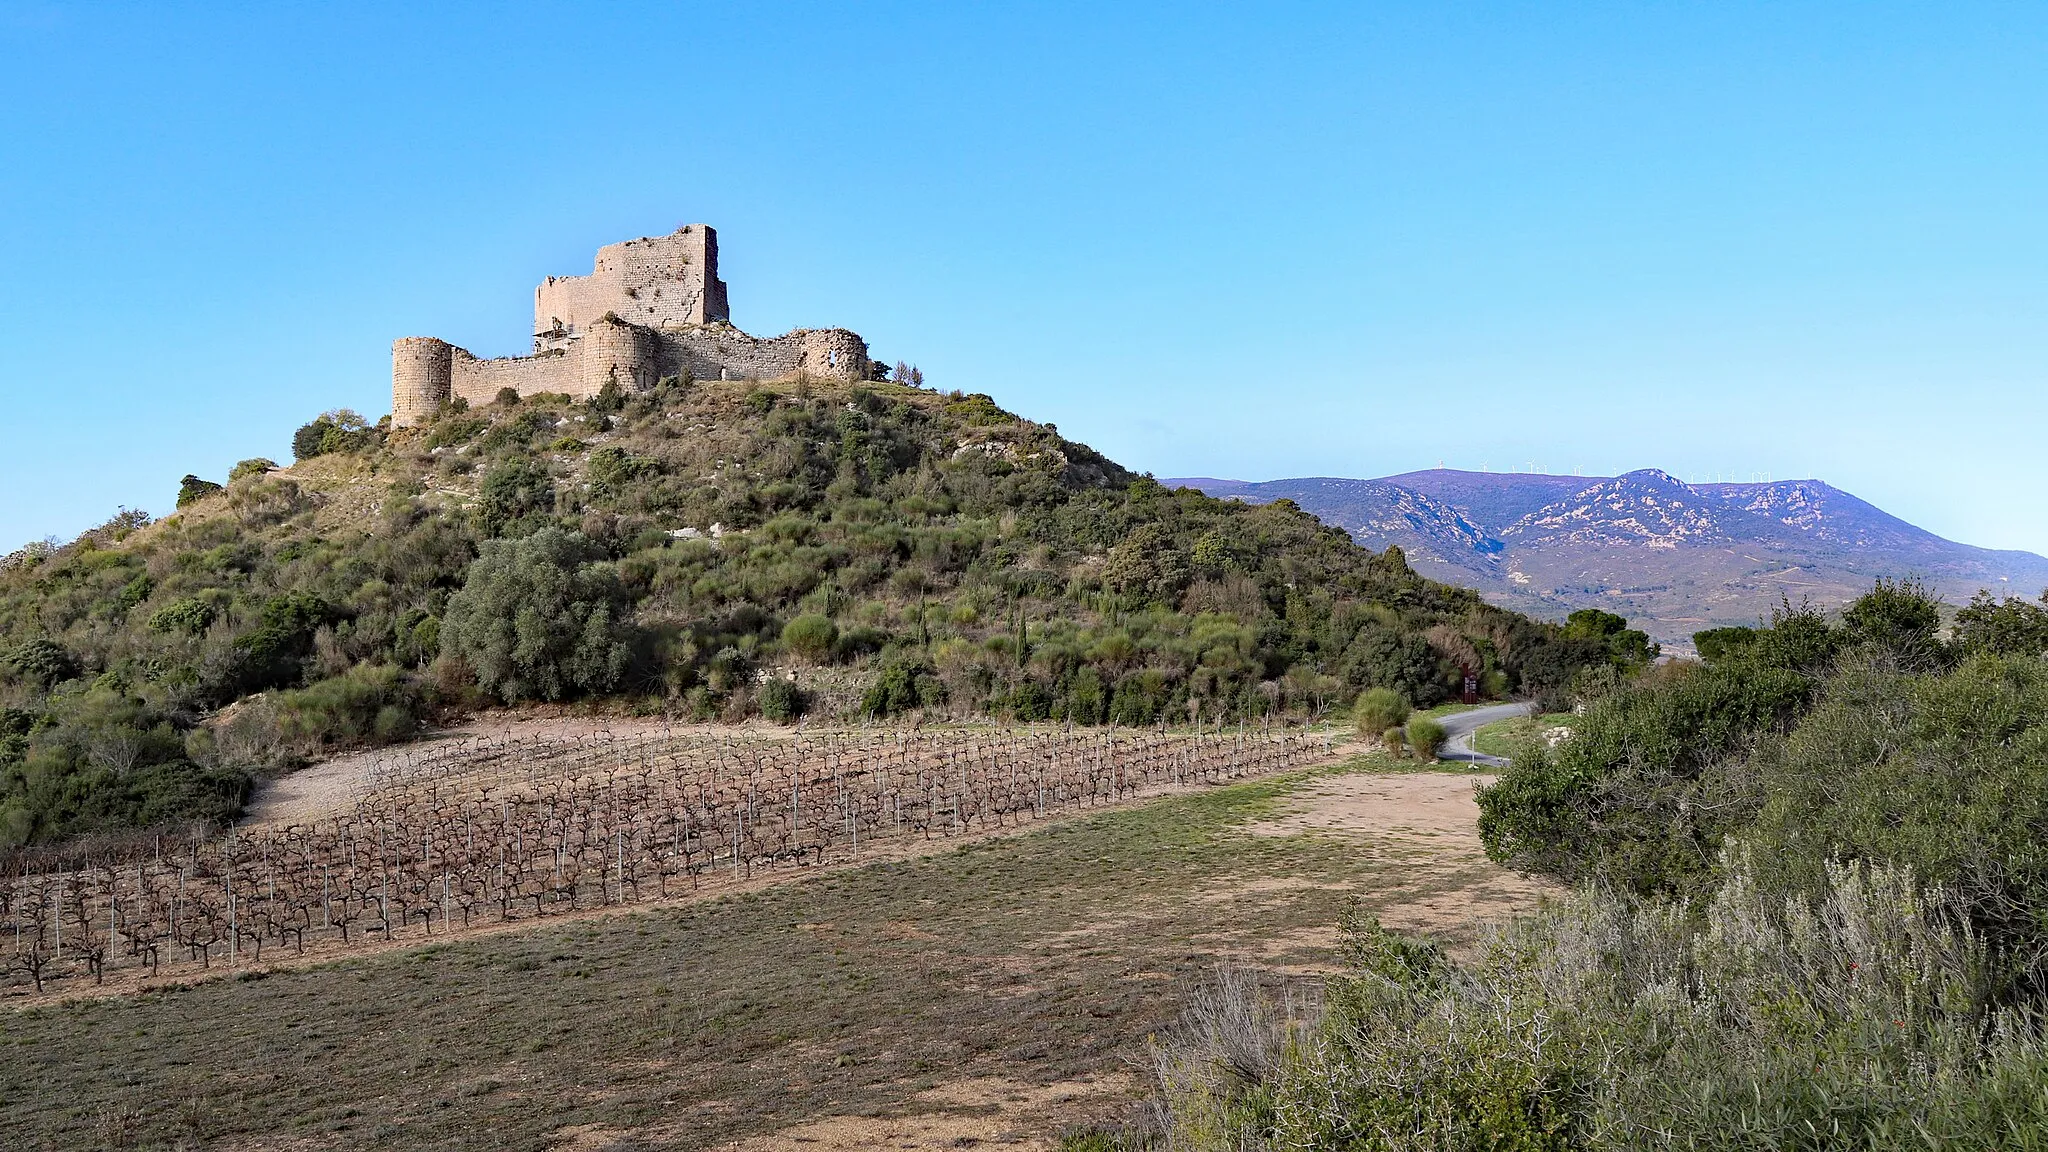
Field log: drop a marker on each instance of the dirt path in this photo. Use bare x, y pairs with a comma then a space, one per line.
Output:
1427, 823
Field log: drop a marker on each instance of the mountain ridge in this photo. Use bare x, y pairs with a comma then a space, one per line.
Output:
1675, 557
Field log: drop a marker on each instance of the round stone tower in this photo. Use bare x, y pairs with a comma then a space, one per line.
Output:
832, 352
615, 350
422, 378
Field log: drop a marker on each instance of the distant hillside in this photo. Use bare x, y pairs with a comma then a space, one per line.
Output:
709, 550
1673, 557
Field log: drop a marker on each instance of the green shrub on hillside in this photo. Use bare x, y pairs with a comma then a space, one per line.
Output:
187, 614
192, 489
338, 431
540, 618
782, 701
811, 637
1662, 769
1379, 709
252, 467
40, 661
2009, 627
274, 655
516, 494
972, 563
1426, 736
368, 704
1862, 1017
905, 682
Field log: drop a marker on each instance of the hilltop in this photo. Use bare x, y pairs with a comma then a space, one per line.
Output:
703, 549
1675, 558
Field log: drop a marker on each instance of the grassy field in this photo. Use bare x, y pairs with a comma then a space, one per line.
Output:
1041, 958
1504, 737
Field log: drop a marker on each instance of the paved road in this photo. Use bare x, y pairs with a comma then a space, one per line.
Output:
1459, 726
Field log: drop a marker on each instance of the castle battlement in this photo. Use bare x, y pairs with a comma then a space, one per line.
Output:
650, 308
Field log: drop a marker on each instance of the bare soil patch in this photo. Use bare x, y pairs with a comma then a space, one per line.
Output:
1424, 827
328, 787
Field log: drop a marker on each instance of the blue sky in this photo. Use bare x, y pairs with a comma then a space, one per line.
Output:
1253, 241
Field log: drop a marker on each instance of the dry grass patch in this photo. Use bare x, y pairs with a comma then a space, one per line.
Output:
848, 1006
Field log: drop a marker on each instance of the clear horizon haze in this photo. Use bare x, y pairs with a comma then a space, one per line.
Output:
1730, 241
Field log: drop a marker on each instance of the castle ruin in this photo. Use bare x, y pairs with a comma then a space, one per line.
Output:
649, 309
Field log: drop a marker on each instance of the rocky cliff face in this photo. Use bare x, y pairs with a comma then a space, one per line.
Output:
1674, 557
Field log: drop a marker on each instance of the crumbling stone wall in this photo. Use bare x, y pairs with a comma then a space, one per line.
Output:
656, 282
719, 352
667, 279
479, 381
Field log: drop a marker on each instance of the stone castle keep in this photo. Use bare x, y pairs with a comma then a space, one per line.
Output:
650, 308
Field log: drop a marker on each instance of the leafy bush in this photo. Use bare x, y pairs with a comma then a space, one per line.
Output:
904, 682
1717, 644
1647, 785
811, 637
368, 704
541, 618
338, 431
189, 615
513, 492
782, 701
2011, 627
1425, 736
1901, 619
613, 470
274, 655
1379, 709
40, 661
252, 467
192, 489
453, 429
1944, 773
1627, 647
311, 438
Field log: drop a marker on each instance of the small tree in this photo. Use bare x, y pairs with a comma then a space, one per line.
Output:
1379, 709
310, 440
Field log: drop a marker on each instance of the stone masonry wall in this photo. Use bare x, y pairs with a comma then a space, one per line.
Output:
657, 282
478, 381
651, 308
718, 352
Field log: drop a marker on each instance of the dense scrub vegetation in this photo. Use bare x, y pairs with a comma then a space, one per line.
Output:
1812, 912
712, 550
